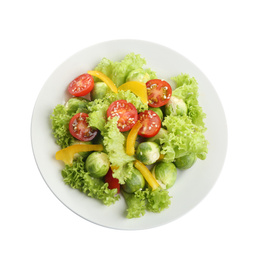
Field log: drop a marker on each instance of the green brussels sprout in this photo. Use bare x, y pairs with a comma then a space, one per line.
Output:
158, 111
99, 90
176, 106
165, 174
97, 164
76, 104
138, 75
148, 152
185, 162
162, 132
135, 183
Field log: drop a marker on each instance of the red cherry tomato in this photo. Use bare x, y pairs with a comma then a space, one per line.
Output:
151, 123
159, 92
126, 112
113, 183
81, 85
80, 129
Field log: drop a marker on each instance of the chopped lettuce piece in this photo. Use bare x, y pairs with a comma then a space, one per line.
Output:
136, 203
151, 73
183, 138
158, 200
114, 144
97, 113
60, 126
142, 200
106, 67
77, 178
119, 70
187, 89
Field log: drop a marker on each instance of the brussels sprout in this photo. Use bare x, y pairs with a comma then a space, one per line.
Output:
99, 91
176, 106
148, 152
135, 183
165, 174
77, 104
158, 111
185, 162
138, 75
97, 164
162, 132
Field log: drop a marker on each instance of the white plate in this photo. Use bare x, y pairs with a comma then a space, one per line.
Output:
191, 186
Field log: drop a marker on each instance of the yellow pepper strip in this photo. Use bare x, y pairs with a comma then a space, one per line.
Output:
131, 138
161, 157
66, 155
138, 88
147, 174
104, 78
114, 167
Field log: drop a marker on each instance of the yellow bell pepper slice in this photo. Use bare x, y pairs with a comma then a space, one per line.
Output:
131, 138
113, 168
138, 88
104, 78
161, 157
67, 154
147, 174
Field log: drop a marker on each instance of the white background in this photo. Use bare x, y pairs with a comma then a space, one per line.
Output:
220, 37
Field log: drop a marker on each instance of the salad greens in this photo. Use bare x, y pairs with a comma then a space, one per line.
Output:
177, 145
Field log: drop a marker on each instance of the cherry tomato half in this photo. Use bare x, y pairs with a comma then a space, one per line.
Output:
80, 129
151, 123
126, 112
113, 183
81, 85
159, 92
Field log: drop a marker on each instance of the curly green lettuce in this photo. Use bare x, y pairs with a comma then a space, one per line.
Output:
77, 178
187, 89
114, 144
119, 70
185, 133
146, 200
136, 204
158, 200
183, 138
97, 115
60, 119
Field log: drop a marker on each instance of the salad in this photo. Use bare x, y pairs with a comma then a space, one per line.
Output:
124, 133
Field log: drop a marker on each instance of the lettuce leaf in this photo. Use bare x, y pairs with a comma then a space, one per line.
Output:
60, 119
106, 67
98, 113
119, 70
136, 203
114, 144
183, 138
158, 200
142, 200
77, 178
187, 89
